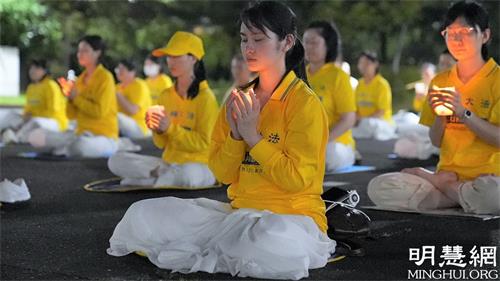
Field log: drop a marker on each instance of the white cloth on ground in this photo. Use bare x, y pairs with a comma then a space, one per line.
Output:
190, 235
376, 128
138, 169
338, 156
11, 192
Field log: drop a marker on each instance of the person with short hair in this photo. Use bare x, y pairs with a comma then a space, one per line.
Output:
45, 107
133, 100
373, 101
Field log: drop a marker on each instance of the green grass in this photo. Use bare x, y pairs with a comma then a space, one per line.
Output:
13, 101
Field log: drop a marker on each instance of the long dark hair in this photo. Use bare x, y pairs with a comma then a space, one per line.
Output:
474, 14
281, 20
199, 76
330, 34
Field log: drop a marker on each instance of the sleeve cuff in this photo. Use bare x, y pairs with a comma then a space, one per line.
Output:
76, 101
159, 139
263, 151
234, 147
170, 131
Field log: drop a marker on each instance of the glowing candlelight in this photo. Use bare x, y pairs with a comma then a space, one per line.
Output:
444, 109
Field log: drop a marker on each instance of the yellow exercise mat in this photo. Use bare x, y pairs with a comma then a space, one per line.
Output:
335, 258
113, 185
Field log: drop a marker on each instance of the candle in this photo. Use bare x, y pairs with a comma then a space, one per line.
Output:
444, 109
153, 114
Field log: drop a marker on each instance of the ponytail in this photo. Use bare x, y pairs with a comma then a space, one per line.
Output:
295, 60
199, 76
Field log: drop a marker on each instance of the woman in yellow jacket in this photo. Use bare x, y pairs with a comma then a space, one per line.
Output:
133, 97
156, 80
269, 145
373, 101
182, 124
332, 85
468, 173
92, 103
45, 107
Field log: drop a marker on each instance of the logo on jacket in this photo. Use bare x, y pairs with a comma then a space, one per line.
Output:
249, 160
273, 138
485, 103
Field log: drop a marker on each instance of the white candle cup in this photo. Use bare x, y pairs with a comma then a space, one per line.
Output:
420, 88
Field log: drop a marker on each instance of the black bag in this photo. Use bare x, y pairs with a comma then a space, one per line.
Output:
345, 222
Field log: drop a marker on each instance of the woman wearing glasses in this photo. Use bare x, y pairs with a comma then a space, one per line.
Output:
469, 166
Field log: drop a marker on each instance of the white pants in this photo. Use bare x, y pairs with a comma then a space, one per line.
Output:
338, 156
48, 124
11, 118
405, 118
414, 142
190, 235
138, 169
85, 145
129, 127
374, 128
401, 190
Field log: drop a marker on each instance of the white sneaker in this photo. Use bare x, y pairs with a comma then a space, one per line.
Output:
11, 192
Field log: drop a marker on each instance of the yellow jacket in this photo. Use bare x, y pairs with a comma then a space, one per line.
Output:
462, 151
137, 92
95, 107
157, 85
45, 99
283, 173
333, 87
373, 97
187, 139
